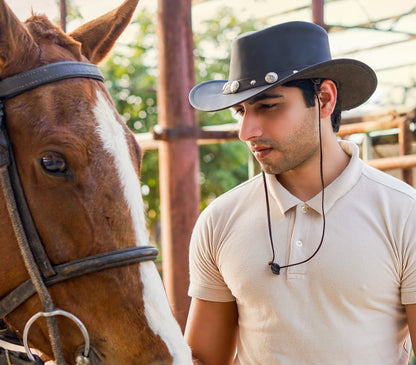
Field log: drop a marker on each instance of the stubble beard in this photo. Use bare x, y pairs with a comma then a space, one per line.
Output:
294, 157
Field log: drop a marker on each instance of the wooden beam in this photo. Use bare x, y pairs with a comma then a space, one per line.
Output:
318, 13
391, 163
178, 158
365, 127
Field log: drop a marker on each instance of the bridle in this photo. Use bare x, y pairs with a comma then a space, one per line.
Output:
41, 271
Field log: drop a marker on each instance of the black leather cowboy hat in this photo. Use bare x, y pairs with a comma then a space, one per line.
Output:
270, 57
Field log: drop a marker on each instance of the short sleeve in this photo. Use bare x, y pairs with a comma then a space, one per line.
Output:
408, 284
206, 281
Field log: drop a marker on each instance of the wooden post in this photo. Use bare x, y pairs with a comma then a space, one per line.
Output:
63, 12
405, 143
318, 13
178, 152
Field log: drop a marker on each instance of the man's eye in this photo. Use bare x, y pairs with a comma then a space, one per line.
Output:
238, 111
268, 106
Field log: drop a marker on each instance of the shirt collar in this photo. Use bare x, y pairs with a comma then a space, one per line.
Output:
334, 191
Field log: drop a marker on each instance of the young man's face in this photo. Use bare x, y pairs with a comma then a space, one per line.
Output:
280, 130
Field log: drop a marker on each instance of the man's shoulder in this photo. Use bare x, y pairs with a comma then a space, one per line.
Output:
243, 193
388, 182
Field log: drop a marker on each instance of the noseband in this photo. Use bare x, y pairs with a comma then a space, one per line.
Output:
41, 271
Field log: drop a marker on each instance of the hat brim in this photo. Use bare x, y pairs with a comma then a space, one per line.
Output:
356, 82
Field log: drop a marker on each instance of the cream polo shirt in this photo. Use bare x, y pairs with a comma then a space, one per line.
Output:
345, 306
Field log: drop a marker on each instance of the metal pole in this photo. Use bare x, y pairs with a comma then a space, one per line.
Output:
178, 156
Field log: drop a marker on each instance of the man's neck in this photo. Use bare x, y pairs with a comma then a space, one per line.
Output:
305, 182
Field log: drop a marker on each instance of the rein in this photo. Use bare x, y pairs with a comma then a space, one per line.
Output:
41, 271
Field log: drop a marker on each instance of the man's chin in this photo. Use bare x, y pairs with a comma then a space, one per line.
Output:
268, 169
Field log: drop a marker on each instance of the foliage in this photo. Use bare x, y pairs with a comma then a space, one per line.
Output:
131, 75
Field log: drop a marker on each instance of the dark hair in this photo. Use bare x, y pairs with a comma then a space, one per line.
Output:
309, 87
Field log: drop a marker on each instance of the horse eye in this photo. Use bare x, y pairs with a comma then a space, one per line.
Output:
54, 163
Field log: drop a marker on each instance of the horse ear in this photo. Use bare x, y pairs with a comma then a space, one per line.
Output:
98, 36
15, 41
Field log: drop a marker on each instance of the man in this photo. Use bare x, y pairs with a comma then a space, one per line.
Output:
313, 261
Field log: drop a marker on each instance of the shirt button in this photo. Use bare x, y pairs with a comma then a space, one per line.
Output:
299, 243
304, 208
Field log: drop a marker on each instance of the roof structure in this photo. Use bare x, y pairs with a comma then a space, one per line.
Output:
381, 33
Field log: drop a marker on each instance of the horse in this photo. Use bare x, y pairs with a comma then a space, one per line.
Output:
77, 278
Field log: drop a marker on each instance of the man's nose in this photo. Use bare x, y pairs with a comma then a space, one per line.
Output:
250, 127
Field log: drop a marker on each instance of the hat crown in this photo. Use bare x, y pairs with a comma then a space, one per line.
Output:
274, 56
282, 49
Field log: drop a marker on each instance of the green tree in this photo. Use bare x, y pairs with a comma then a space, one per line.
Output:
131, 75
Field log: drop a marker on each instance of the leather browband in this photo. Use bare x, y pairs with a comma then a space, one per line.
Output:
28, 80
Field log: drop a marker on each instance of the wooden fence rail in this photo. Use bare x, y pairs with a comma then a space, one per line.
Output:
401, 122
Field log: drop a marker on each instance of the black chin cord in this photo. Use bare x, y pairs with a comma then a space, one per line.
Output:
274, 266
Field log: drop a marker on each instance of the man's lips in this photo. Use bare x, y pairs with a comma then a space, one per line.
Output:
261, 152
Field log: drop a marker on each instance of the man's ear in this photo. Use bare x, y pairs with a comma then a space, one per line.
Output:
328, 97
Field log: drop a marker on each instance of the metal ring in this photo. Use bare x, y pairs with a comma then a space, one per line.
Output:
57, 312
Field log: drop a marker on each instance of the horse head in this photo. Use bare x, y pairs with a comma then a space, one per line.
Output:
79, 167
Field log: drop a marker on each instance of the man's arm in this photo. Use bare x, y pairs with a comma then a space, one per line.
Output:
211, 331
411, 321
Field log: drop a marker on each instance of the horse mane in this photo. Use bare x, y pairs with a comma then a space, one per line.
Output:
43, 31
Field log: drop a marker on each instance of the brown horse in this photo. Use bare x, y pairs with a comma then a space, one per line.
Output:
79, 170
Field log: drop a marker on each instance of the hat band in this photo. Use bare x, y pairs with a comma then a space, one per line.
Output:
234, 86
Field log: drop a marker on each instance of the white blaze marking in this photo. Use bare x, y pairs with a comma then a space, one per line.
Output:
115, 143
157, 309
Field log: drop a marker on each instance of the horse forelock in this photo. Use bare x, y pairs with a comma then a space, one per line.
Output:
43, 31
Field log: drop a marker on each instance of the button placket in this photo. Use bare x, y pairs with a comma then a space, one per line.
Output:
298, 250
